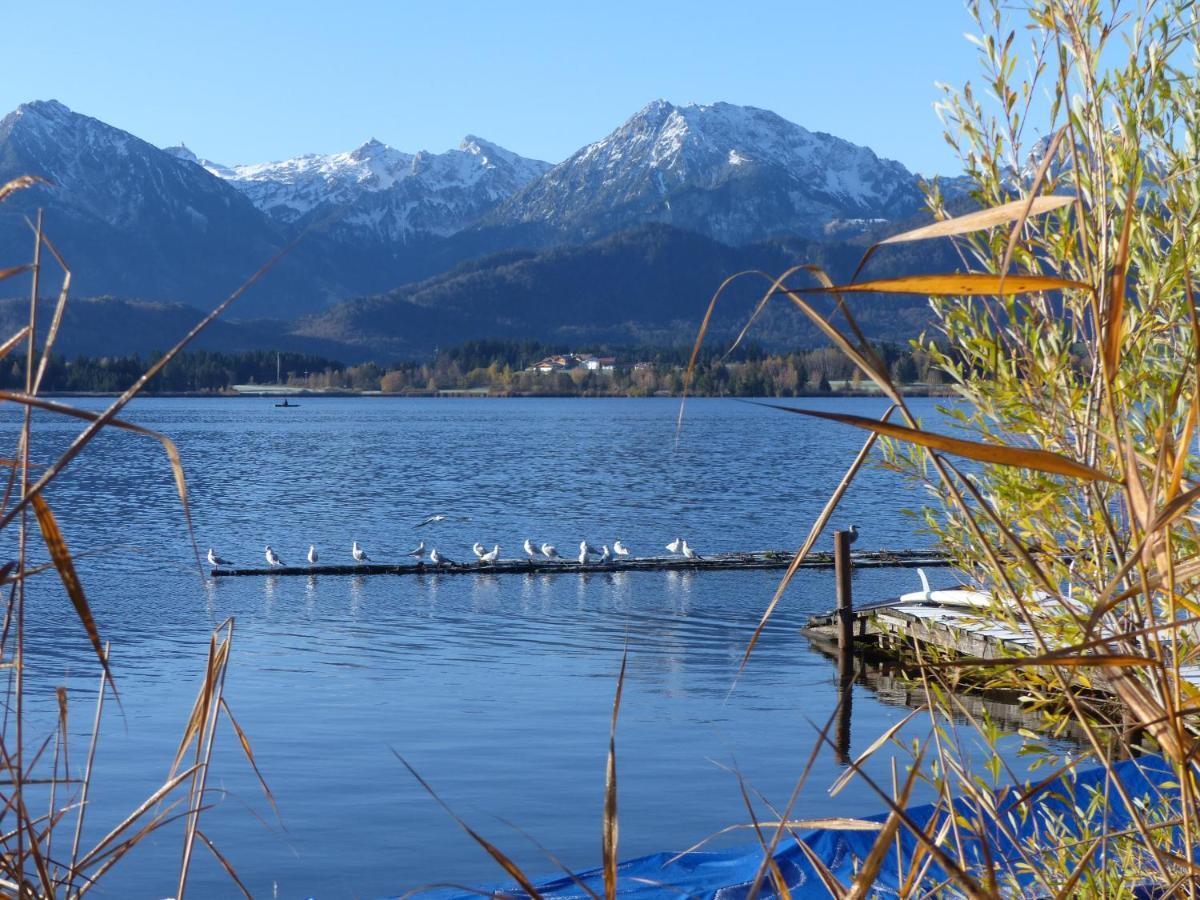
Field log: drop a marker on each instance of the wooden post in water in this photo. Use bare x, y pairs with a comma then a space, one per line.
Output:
845, 600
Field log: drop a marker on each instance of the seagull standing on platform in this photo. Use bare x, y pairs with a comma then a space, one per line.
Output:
583, 553
214, 560
549, 552
437, 558
620, 549
853, 533
605, 555
418, 551
272, 557
312, 554
688, 551
359, 554
676, 545
478, 549
530, 549
491, 556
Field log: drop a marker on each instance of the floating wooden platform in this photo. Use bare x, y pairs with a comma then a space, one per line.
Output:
894, 629
759, 559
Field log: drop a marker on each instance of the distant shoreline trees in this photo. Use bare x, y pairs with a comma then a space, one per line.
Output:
495, 366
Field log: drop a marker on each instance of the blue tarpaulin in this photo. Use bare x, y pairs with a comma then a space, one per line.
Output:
728, 874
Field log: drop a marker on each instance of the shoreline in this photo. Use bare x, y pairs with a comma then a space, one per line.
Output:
269, 393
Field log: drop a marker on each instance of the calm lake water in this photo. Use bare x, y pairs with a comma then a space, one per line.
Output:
497, 689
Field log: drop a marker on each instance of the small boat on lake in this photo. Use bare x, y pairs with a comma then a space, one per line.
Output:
286, 405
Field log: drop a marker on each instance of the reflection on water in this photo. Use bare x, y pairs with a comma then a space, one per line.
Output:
497, 688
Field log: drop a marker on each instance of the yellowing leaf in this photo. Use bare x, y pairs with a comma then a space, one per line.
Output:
998, 454
963, 284
985, 218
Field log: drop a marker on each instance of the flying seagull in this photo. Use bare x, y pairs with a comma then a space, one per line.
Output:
359, 554
549, 552
312, 554
272, 557
620, 549
440, 517
688, 551
676, 545
214, 560
418, 551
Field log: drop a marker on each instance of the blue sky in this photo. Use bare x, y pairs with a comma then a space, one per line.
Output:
258, 81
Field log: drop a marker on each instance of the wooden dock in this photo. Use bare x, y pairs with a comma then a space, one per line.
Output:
894, 630
759, 559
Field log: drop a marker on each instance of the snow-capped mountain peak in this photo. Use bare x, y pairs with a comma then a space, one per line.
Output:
379, 193
736, 173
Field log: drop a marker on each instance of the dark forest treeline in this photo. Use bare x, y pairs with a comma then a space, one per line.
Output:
498, 366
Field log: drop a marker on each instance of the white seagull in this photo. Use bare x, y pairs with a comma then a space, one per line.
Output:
853, 533
676, 545
587, 548
359, 554
437, 557
620, 549
272, 557
429, 520
605, 555
312, 554
478, 549
688, 551
418, 551
491, 556
583, 553
549, 552
214, 560
530, 549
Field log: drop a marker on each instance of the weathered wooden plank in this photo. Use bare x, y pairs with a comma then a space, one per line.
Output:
759, 559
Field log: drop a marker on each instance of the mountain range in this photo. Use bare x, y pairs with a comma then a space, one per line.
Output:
391, 252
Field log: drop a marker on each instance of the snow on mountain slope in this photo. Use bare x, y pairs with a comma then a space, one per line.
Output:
381, 193
734, 173
131, 220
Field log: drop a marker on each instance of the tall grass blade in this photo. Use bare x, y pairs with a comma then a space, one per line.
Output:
1014, 211
610, 828
964, 284
13, 271
813, 534
249, 754
1116, 285
225, 864
494, 852
997, 454
20, 183
57, 546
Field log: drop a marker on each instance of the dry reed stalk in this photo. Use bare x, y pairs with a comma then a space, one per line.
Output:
29, 864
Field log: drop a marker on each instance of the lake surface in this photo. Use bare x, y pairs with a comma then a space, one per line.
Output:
497, 689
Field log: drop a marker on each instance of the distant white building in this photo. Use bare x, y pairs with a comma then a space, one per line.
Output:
565, 362
599, 363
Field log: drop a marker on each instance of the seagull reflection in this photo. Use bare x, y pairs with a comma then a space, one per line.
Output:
269, 585
679, 590
357, 583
